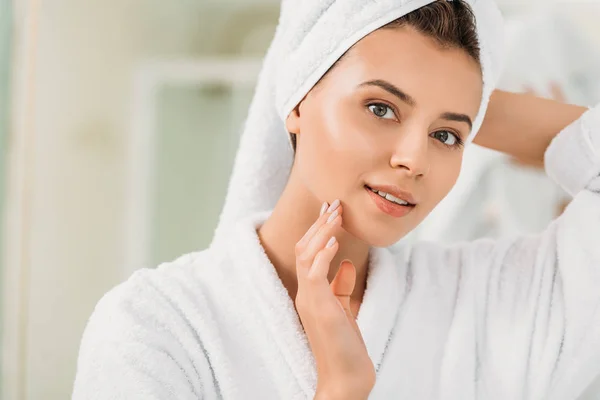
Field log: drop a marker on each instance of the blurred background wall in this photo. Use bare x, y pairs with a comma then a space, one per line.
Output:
119, 122
6, 29
75, 82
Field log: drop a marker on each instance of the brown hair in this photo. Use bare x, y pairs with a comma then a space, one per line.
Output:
450, 23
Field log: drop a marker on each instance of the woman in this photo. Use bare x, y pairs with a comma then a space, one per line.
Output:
306, 300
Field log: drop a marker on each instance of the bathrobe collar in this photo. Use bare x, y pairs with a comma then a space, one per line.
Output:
377, 315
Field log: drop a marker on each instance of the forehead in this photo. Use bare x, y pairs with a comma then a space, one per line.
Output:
433, 75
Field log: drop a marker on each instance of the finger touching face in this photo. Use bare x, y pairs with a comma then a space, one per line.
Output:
385, 127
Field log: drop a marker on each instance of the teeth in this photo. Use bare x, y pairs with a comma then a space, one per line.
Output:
395, 199
391, 198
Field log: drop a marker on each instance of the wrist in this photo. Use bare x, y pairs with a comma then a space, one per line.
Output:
324, 394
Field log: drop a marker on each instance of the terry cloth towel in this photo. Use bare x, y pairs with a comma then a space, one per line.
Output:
516, 318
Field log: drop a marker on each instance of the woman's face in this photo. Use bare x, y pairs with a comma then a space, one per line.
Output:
390, 115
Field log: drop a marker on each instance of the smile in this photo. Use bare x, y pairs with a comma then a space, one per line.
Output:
389, 204
389, 197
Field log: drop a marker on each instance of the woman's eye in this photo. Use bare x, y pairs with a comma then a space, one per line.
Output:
446, 137
382, 111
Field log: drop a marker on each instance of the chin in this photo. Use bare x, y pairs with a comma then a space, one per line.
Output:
379, 240
372, 232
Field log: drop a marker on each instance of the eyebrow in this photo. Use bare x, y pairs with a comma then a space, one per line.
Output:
457, 117
391, 88
406, 98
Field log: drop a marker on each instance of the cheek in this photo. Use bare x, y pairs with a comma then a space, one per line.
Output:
335, 151
352, 140
339, 134
442, 178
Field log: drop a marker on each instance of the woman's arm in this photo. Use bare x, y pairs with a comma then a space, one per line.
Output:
538, 296
523, 125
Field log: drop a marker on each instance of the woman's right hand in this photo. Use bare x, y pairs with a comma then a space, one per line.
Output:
344, 368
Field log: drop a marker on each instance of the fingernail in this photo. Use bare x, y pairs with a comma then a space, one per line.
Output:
331, 242
334, 206
333, 216
323, 209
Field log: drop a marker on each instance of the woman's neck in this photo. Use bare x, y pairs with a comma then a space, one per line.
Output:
295, 212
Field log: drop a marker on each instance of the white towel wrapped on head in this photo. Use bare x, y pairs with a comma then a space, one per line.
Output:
312, 35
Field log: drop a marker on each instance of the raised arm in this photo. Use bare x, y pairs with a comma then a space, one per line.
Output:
538, 296
523, 125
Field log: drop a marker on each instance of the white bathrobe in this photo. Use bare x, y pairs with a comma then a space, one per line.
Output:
512, 319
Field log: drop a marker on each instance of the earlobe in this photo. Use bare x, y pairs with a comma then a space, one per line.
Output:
292, 122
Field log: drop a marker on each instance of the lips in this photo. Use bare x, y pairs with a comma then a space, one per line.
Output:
393, 194
391, 208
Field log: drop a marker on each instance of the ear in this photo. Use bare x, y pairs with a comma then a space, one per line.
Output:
292, 122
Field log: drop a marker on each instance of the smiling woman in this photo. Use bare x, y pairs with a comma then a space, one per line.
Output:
395, 111
299, 295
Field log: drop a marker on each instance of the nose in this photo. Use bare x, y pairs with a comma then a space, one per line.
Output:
410, 154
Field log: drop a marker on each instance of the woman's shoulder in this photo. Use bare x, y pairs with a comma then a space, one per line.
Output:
162, 296
478, 257
433, 256
150, 322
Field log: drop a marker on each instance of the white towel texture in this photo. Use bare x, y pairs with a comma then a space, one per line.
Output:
510, 319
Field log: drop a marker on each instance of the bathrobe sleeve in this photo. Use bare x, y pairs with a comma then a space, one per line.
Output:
132, 348
537, 297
